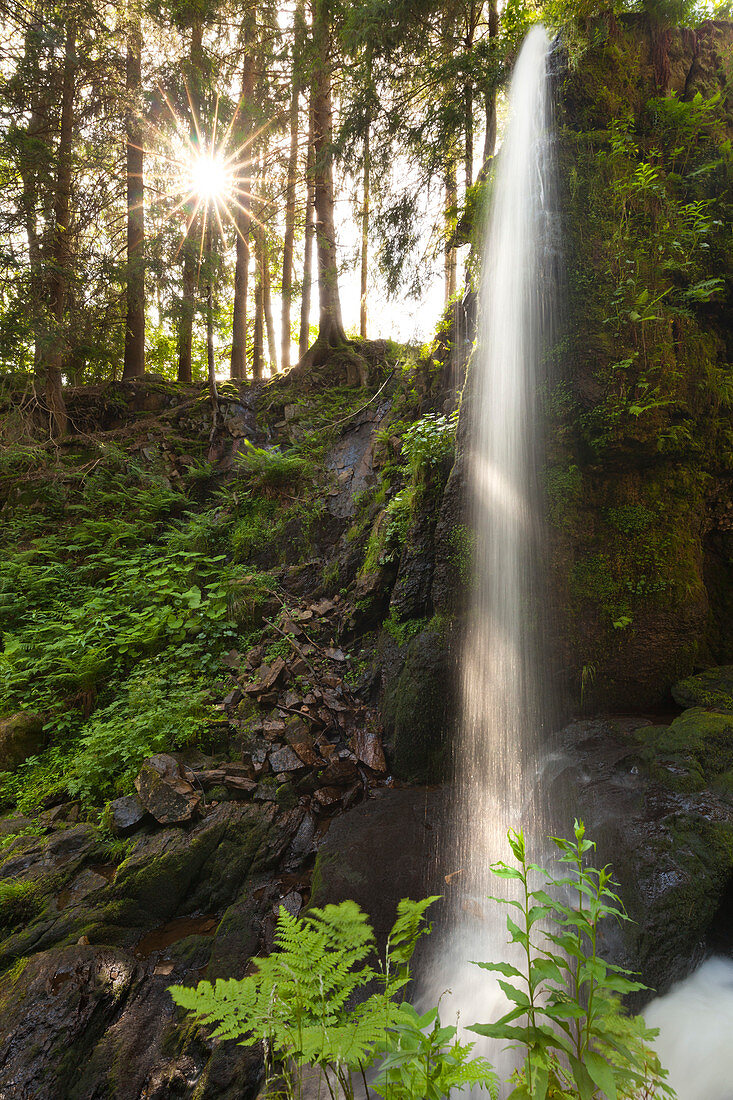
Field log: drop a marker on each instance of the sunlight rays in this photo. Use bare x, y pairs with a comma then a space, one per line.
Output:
208, 179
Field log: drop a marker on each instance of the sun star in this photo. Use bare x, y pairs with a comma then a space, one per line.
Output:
209, 177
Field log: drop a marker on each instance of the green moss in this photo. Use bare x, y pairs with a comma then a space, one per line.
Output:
462, 550
712, 689
403, 632
20, 902
563, 486
691, 753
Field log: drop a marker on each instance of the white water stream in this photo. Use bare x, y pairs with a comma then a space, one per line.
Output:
502, 700
695, 1043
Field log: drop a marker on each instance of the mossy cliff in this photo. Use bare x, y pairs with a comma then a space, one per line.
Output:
640, 455
639, 388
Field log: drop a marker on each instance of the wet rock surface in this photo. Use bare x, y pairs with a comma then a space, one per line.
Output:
671, 849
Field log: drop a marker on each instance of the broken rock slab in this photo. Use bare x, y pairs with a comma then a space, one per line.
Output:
165, 792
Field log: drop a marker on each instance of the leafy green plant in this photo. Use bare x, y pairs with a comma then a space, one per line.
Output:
565, 1018
155, 712
428, 441
299, 1004
270, 472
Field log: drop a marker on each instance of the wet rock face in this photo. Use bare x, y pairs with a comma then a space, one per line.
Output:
381, 852
418, 699
671, 850
84, 1007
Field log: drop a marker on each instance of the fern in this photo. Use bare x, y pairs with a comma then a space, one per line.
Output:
299, 1003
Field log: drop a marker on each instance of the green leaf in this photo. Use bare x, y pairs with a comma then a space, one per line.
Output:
601, 1072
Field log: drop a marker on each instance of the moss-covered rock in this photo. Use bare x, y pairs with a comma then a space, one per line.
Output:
712, 688
692, 752
21, 736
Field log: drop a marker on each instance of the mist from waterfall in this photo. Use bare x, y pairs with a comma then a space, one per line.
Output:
503, 698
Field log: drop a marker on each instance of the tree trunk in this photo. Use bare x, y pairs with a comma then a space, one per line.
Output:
28, 163
239, 312
267, 302
257, 348
365, 230
450, 252
310, 228
330, 326
243, 209
287, 280
188, 302
210, 362
61, 253
135, 323
490, 97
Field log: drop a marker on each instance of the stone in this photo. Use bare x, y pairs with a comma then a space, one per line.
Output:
273, 674
232, 660
15, 824
239, 787
712, 688
381, 851
339, 773
124, 815
292, 903
213, 777
285, 760
327, 798
164, 792
368, 749
671, 851
21, 736
698, 746
417, 700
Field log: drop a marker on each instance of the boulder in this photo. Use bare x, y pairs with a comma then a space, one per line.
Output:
126, 814
165, 792
285, 760
381, 851
693, 751
712, 688
21, 736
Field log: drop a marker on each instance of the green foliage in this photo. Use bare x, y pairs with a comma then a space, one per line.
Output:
565, 1016
19, 902
428, 442
271, 471
113, 609
157, 710
299, 1003
403, 632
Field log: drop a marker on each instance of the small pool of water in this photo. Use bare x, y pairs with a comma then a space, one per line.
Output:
695, 1021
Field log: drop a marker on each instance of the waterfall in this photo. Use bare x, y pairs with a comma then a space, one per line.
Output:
503, 697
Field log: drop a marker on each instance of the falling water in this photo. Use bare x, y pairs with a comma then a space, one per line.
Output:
503, 696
